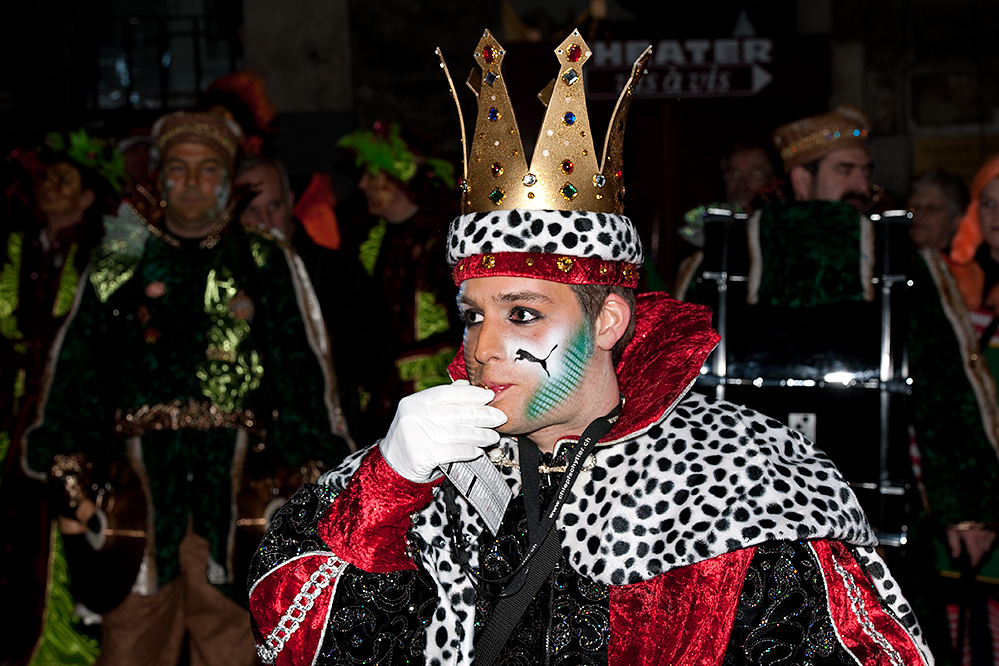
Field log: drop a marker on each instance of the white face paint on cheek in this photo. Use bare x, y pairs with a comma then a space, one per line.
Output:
542, 355
222, 191
567, 365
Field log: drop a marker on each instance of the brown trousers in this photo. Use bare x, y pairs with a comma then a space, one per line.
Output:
150, 630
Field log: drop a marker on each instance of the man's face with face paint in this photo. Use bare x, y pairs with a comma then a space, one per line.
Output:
528, 341
196, 188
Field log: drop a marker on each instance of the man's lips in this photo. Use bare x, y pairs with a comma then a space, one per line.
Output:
497, 389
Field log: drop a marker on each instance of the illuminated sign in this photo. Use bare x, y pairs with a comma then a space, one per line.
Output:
725, 67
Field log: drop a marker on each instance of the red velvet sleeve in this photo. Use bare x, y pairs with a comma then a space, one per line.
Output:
863, 626
367, 524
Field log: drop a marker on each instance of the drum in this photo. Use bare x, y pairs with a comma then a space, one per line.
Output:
809, 301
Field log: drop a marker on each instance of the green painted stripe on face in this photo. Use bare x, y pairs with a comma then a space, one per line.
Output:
566, 377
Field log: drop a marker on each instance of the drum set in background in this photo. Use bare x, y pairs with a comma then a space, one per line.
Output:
834, 368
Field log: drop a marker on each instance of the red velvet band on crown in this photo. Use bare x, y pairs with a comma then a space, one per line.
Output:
552, 267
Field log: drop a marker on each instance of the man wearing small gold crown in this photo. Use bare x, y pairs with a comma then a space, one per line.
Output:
631, 523
192, 366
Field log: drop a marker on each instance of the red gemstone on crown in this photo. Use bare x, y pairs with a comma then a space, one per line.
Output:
488, 55
575, 53
567, 166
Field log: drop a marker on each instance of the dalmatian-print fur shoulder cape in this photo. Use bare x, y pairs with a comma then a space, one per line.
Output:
684, 480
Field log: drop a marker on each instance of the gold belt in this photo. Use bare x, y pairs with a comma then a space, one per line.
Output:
176, 415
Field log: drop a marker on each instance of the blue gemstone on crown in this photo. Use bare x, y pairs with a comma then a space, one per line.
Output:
569, 118
494, 114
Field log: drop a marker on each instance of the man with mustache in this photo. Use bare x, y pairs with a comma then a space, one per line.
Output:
194, 356
812, 288
826, 157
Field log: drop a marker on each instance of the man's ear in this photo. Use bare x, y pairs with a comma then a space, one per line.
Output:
801, 182
87, 199
612, 322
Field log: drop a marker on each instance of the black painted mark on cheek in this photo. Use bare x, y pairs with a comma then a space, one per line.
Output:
524, 355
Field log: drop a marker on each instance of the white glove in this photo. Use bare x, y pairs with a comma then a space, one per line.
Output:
440, 425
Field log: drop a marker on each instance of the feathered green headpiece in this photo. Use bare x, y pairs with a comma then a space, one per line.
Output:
90, 152
387, 152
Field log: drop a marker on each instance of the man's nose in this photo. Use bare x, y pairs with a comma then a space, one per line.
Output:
861, 181
489, 343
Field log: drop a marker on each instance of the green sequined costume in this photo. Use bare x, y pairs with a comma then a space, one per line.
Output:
200, 356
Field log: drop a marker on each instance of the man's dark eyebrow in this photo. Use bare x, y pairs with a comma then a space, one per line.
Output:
509, 297
174, 158
522, 296
854, 165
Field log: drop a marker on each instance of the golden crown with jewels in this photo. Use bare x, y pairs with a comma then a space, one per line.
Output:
564, 173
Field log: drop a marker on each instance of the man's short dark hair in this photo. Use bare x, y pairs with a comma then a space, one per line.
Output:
591, 299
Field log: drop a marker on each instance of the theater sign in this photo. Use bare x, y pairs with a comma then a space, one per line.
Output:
722, 67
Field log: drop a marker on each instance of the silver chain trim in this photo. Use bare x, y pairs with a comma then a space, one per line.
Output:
300, 606
860, 611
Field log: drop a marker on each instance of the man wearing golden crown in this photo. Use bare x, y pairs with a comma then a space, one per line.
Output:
192, 388
565, 500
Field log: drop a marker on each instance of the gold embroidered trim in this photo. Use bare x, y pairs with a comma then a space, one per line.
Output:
177, 415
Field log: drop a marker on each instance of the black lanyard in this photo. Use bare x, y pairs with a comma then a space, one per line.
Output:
538, 525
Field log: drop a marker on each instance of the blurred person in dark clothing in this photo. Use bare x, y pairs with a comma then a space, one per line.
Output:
403, 187
52, 221
344, 291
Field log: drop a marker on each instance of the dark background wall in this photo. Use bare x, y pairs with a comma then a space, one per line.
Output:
924, 70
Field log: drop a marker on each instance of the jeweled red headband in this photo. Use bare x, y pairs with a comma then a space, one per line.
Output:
552, 267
